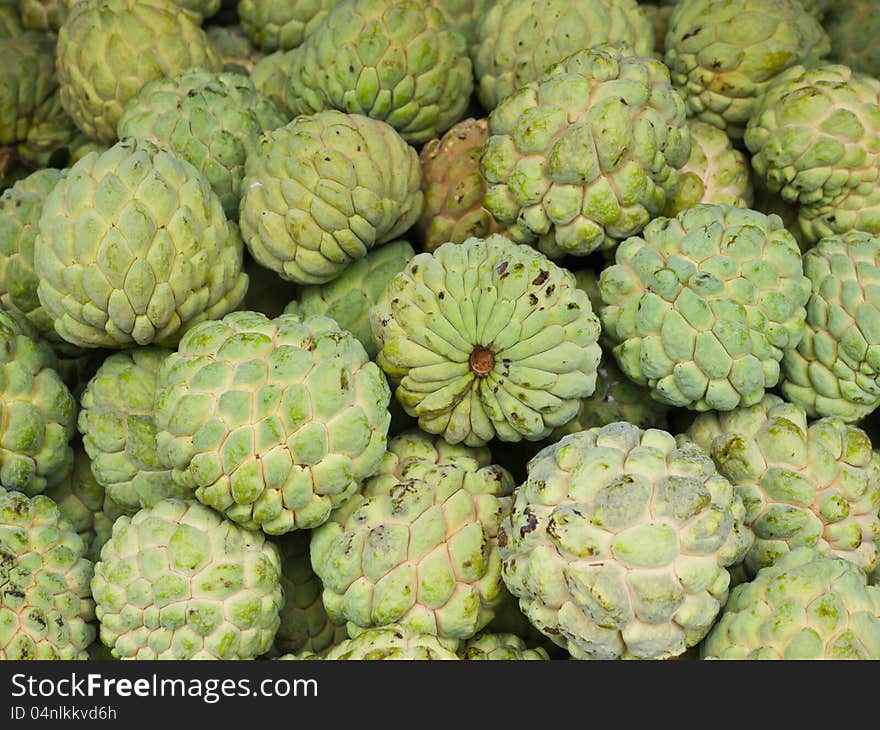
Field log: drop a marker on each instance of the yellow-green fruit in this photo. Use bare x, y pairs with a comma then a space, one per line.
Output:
274, 25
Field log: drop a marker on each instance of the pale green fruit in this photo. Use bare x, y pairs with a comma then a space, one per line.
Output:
233, 48
274, 25
853, 27
500, 647
387, 643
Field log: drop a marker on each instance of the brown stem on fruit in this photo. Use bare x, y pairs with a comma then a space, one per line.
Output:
482, 361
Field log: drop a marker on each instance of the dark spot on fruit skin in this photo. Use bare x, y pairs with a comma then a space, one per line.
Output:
414, 268
540, 278
502, 537
502, 268
441, 296
533, 300
531, 523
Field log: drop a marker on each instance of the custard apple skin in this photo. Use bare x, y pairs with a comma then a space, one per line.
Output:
178, 581
233, 48
350, 297
304, 625
715, 173
274, 25
272, 422
618, 541
212, 120
10, 22
270, 75
835, 370
454, 187
587, 155
853, 26
108, 50
398, 61
806, 606
42, 15
118, 427
134, 248
722, 55
518, 40
487, 339
702, 307
323, 191
418, 546
46, 610
500, 647
803, 485
464, 16
20, 208
39, 413
390, 643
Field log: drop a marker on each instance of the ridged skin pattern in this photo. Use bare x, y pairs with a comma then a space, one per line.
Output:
118, 426
350, 297
324, 190
274, 25
418, 546
618, 542
518, 40
38, 413
272, 422
853, 26
233, 48
134, 248
722, 55
400, 62
270, 75
586, 156
178, 581
815, 486
835, 370
487, 339
815, 139
454, 187
500, 647
702, 307
42, 15
212, 120
46, 611
391, 643
20, 208
806, 606
108, 49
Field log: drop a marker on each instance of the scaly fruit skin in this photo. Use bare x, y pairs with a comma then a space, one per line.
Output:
134, 249
108, 49
42, 15
518, 40
117, 423
835, 370
398, 61
806, 606
233, 48
417, 546
715, 173
349, 298
853, 27
487, 339
212, 120
305, 625
20, 208
618, 542
454, 187
178, 581
388, 643
270, 75
702, 307
815, 486
199, 10
10, 22
464, 16
722, 55
272, 422
83, 502
587, 155
45, 607
659, 17
274, 25
324, 190
500, 647
39, 413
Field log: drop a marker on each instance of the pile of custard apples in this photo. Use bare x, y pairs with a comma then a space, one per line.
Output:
439, 329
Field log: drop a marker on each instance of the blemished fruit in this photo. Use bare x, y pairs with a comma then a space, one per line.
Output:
134, 248
38, 412
702, 307
806, 606
46, 610
349, 297
487, 339
394, 60
588, 154
274, 25
178, 581
108, 49
275, 422
500, 647
618, 542
814, 485
324, 190
212, 120
723, 55
518, 40
387, 643
417, 547
454, 187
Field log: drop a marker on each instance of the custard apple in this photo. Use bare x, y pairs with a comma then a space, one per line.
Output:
270, 75
853, 27
233, 48
274, 25
388, 643
500, 647
42, 15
